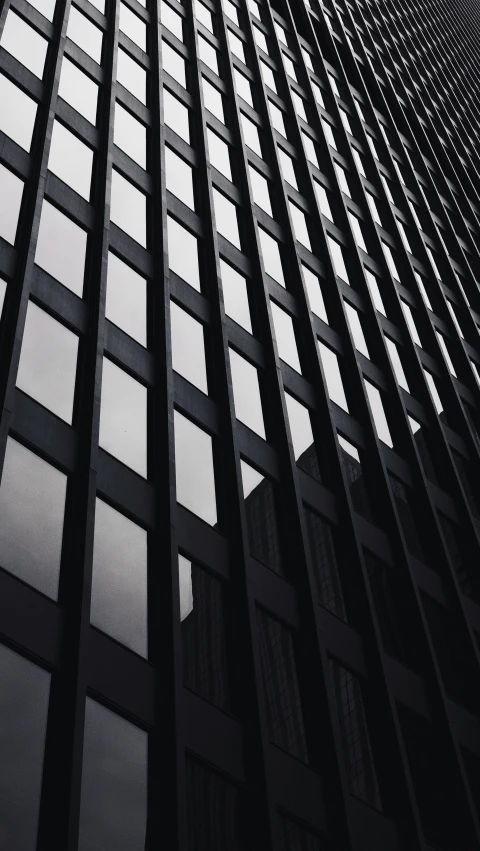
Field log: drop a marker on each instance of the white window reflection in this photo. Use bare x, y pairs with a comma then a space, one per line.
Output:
24, 43
179, 178
195, 479
246, 393
130, 135
226, 218
333, 376
71, 160
176, 116
17, 113
85, 34
132, 76
126, 302
129, 208
285, 337
11, 192
235, 296
78, 90
123, 417
183, 253
272, 261
61, 248
188, 347
378, 413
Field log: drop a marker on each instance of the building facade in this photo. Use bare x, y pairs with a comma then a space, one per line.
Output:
239, 425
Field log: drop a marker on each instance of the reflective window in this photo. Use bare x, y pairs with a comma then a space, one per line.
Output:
333, 376
378, 413
272, 261
358, 162
213, 100
302, 437
45, 7
22, 42
133, 27
390, 261
246, 393
208, 54
318, 94
11, 191
129, 208
130, 135
268, 76
337, 257
260, 192
354, 474
285, 337
61, 248
188, 347
131, 75
262, 517
299, 105
195, 479
48, 362
397, 364
78, 90
356, 329
71, 160
322, 200
226, 218
126, 302
183, 253
119, 578
123, 417
254, 8
243, 87
408, 313
299, 225
219, 154
235, 296
260, 39
433, 391
176, 115
171, 20
24, 697
179, 178
357, 231
236, 46
309, 149
288, 170
445, 352
374, 291
85, 34
342, 179
290, 67
276, 117
113, 809
250, 134
329, 135
3, 290
314, 292
100, 5
231, 11
32, 505
17, 113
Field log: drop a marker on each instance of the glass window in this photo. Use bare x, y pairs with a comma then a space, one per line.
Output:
357, 231
3, 290
71, 160
397, 364
329, 135
85, 34
407, 311
246, 393
130, 135
318, 94
254, 8
378, 413
132, 76
243, 87
342, 179
235, 296
309, 149
213, 100
176, 115
188, 347
250, 134
288, 170
24, 43
231, 11
61, 248
290, 68
208, 54
285, 337
48, 362
260, 193
123, 417
226, 218
113, 809
195, 479
236, 46
129, 208
276, 117
179, 178
333, 377
374, 291
424, 294
78, 90
390, 261
203, 15
322, 200
262, 521
299, 225
314, 292
173, 64
171, 20
32, 505
17, 113
119, 579
299, 105
373, 209
358, 162
445, 352
11, 191
45, 7
337, 257
219, 154
433, 391
126, 302
183, 253
272, 261
100, 5
24, 697
356, 329
268, 76
260, 39
302, 436
133, 27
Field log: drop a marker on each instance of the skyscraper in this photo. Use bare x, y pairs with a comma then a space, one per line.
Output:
240, 425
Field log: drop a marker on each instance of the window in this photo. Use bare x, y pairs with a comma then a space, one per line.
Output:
288, 170
407, 311
130, 135
333, 376
46, 7
290, 68
133, 27
61, 248
357, 231
374, 291
235, 296
322, 200
85, 34
309, 149
322, 547
302, 437
119, 579
314, 292
243, 87
299, 225
126, 303
260, 39
11, 191
397, 364
219, 154
390, 261
78, 90
183, 253
203, 15
179, 178
337, 259
276, 117
173, 64
208, 54
342, 179
213, 100
226, 218
131, 75
272, 262
24, 43
195, 477
262, 521
236, 46
113, 808
356, 329
188, 347
215, 810
329, 135
129, 208
445, 352
32, 505
176, 116
48, 362
171, 20
71, 160
268, 76
260, 192
231, 11
246, 393
285, 337
299, 106
378, 413
123, 418
250, 134
17, 113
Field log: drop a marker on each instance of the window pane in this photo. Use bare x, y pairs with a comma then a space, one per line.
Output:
260, 193
183, 253
88, 37
179, 178
126, 304
285, 336
24, 697
61, 248
188, 347
276, 117
250, 134
173, 64
243, 87
195, 478
171, 20
78, 90
271, 257
300, 225
302, 437
48, 362
397, 364
246, 393
333, 376
235, 296
130, 135
288, 170
219, 154
11, 191
226, 218
45, 7
322, 200
26, 45
203, 15
314, 293
119, 580
123, 417
176, 115
32, 504
113, 810
262, 522
71, 160
378, 413
208, 54
374, 291
236, 46
129, 208
356, 329
17, 113
337, 257
133, 27
131, 75
213, 100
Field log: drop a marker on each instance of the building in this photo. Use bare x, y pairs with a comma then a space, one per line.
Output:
240, 418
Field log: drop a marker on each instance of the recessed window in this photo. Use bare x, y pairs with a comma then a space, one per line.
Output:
243, 87
71, 160
78, 90
61, 248
176, 116
11, 192
357, 231
314, 292
358, 162
48, 362
433, 391
85, 34
195, 478
179, 178
268, 76
17, 113
132, 76
276, 117
236, 46
203, 15
32, 505
171, 20
272, 261
309, 149
119, 578
337, 257
397, 364
24, 43
322, 200
342, 179
183, 253
208, 54
285, 337
260, 192
45, 7
226, 218
126, 302
299, 106
254, 8
318, 94
123, 417
356, 329
299, 222
235, 296
289, 67
113, 808
231, 11
246, 393
329, 135
374, 291
133, 27
219, 154
260, 39
188, 347
288, 170
378, 413
390, 261
130, 135
333, 376
408, 313
250, 134
262, 517
373, 209
213, 100
129, 208
302, 437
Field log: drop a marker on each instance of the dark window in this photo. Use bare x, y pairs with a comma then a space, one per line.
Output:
322, 547
262, 523
408, 517
214, 811
295, 837
395, 612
